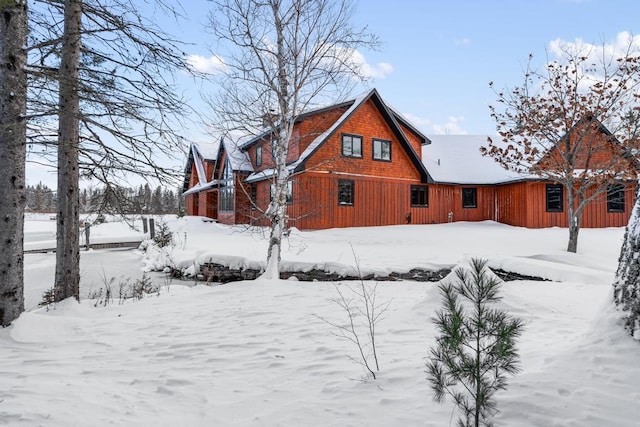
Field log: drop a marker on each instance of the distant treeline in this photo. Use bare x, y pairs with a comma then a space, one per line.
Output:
110, 200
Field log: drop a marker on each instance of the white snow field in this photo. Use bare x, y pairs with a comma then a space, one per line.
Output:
256, 353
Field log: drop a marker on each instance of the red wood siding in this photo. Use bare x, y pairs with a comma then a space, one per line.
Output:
524, 204
315, 202
303, 134
368, 123
414, 139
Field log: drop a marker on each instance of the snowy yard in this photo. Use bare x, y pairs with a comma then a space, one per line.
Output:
257, 354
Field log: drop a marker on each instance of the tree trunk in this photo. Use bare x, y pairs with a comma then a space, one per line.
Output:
574, 229
13, 102
575, 218
626, 286
67, 278
277, 213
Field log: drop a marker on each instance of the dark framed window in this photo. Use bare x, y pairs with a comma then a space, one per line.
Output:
225, 199
345, 192
259, 155
615, 198
420, 195
470, 197
253, 194
555, 198
272, 192
351, 145
382, 150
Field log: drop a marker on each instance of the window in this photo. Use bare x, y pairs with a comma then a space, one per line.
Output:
345, 192
470, 197
259, 155
555, 198
381, 150
615, 198
272, 192
351, 145
225, 200
419, 195
253, 194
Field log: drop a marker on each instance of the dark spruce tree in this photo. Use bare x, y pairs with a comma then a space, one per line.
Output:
476, 346
626, 287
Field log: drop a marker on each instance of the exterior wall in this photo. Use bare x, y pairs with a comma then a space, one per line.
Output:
315, 205
524, 204
368, 123
445, 204
304, 133
413, 139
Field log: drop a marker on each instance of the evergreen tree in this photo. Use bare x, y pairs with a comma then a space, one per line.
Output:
627, 282
476, 347
156, 201
169, 204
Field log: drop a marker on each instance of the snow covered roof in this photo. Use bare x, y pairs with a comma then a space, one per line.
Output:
391, 114
207, 150
456, 159
200, 187
239, 159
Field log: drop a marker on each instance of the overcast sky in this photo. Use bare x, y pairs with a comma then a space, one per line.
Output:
438, 57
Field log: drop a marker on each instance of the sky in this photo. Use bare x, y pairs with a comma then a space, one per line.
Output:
437, 57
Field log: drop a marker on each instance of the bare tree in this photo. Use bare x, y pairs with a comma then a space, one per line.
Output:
280, 58
626, 285
116, 103
13, 98
552, 124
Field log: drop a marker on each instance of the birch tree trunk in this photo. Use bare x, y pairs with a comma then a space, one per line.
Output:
278, 205
13, 102
67, 277
626, 286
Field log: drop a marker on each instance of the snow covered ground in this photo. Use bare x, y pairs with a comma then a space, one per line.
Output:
258, 354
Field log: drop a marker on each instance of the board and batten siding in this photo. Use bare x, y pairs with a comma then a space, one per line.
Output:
524, 204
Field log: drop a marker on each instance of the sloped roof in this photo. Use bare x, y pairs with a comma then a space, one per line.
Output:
390, 114
199, 152
391, 117
207, 150
202, 152
239, 159
456, 159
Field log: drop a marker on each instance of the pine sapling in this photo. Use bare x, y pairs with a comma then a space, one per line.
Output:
476, 346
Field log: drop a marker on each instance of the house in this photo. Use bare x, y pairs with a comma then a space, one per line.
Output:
356, 163
361, 163
471, 187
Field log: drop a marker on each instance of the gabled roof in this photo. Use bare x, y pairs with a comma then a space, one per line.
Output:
201, 153
388, 114
456, 159
239, 159
305, 115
